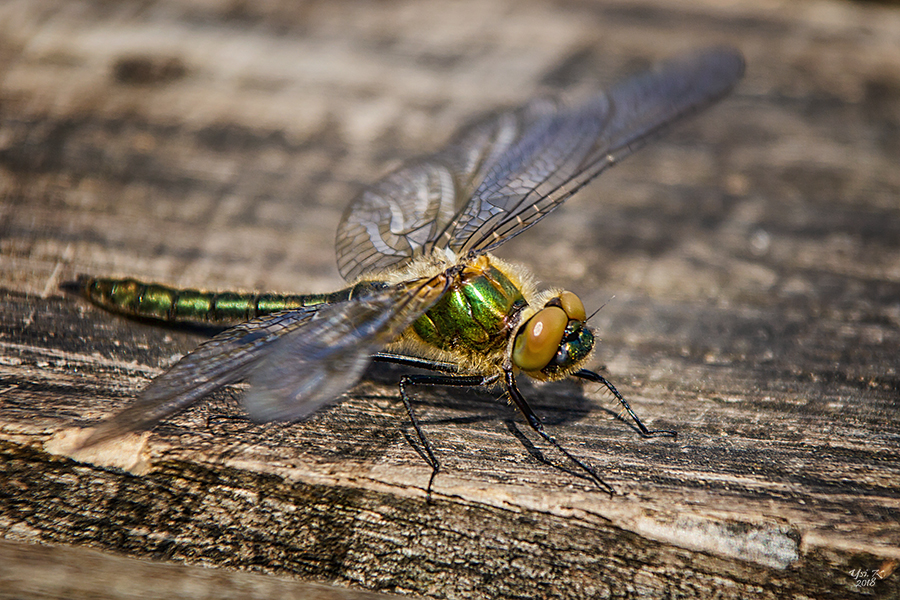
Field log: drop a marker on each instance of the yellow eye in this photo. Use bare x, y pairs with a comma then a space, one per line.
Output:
538, 341
573, 306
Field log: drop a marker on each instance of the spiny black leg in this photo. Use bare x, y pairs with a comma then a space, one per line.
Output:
475, 380
598, 378
449, 379
429, 457
536, 424
459, 380
415, 361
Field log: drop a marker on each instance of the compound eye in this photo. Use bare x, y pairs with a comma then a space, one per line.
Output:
573, 306
538, 341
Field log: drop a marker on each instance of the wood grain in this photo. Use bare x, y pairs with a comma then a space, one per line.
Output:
749, 263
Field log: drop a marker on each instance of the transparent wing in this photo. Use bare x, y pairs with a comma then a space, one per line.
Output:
391, 221
400, 216
504, 173
296, 360
562, 152
312, 367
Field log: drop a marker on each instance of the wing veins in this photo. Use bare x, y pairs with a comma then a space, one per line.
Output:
539, 154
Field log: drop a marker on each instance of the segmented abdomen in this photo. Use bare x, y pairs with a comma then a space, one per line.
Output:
154, 301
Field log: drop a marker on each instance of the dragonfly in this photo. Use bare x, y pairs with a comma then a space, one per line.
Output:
424, 289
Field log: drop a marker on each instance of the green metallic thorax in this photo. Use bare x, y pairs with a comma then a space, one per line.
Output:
475, 314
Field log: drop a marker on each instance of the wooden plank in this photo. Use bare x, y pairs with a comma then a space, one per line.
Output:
752, 255
35, 571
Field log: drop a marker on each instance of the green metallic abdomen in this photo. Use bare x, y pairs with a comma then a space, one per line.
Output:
475, 314
154, 301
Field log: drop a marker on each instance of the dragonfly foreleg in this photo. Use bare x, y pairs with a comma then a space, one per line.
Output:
536, 424
598, 378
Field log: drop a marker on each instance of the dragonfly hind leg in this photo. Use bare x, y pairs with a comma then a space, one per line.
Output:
454, 380
449, 377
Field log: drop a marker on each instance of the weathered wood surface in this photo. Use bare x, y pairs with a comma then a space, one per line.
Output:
754, 256
33, 571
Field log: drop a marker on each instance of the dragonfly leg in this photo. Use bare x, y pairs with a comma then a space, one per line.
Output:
536, 424
449, 378
456, 380
598, 378
415, 361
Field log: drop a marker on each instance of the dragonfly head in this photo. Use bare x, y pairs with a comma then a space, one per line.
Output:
555, 341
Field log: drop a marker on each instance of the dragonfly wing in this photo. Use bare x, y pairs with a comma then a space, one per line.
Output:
562, 151
313, 366
224, 359
503, 173
403, 214
390, 222
296, 360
